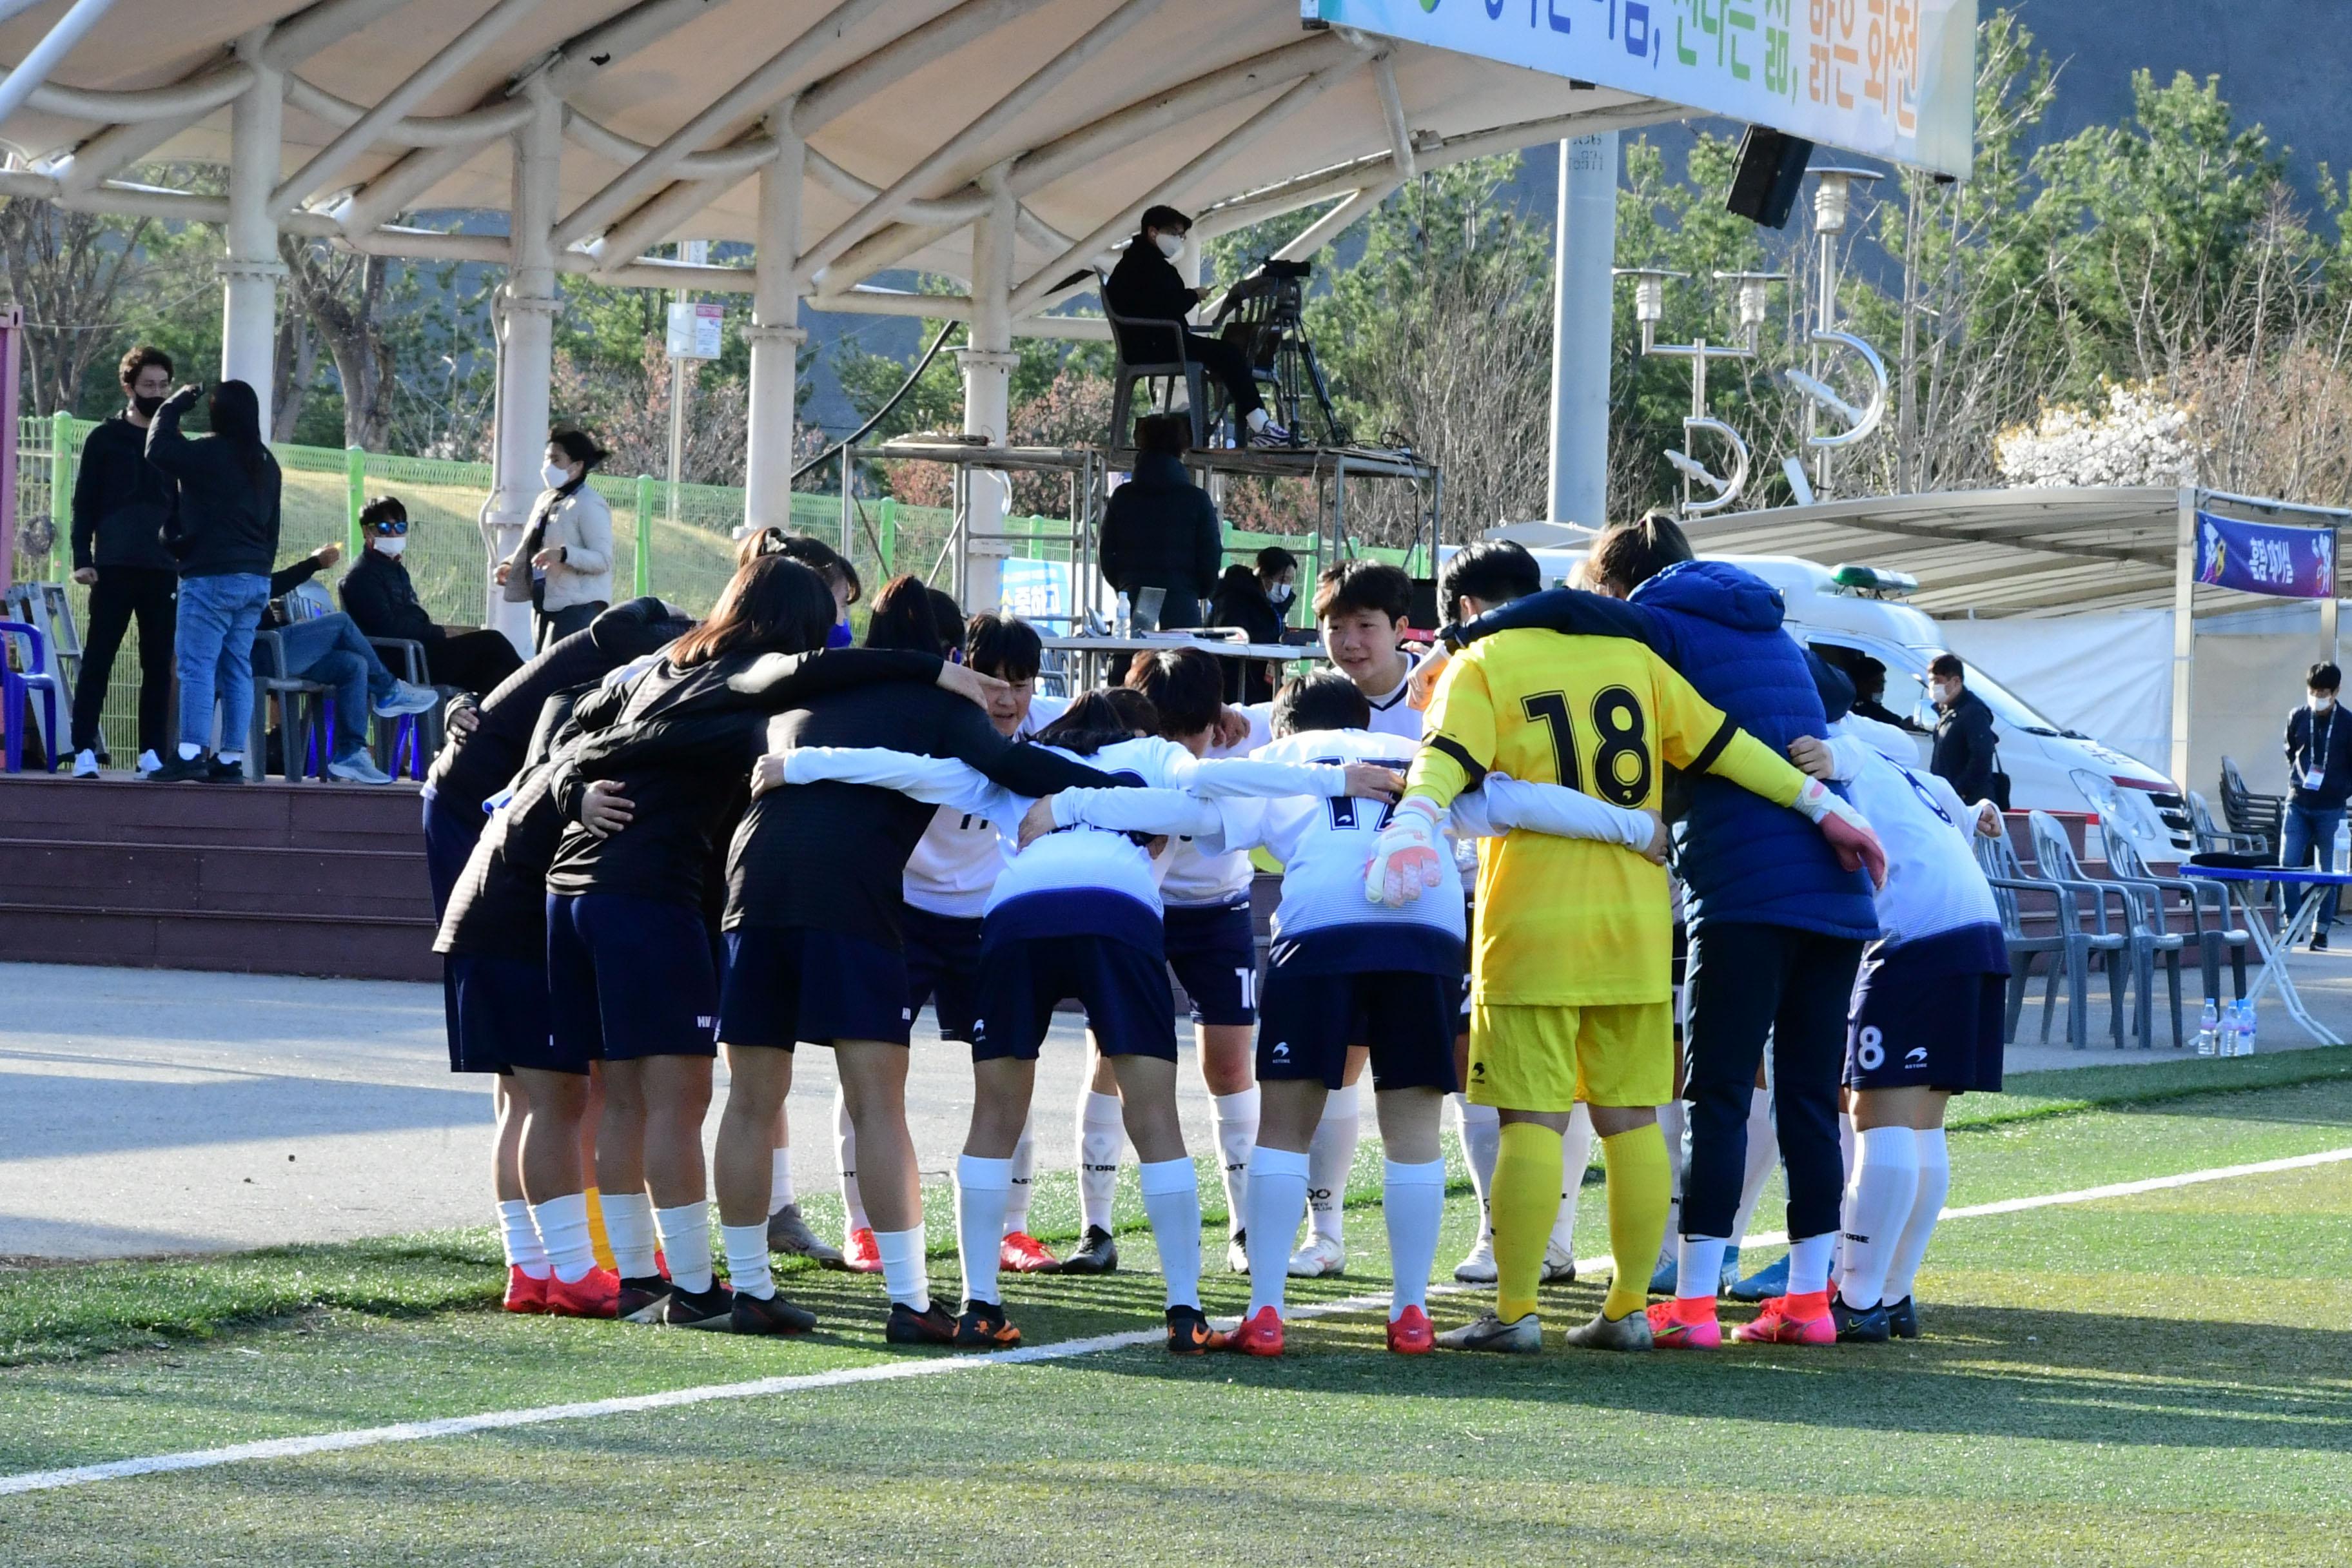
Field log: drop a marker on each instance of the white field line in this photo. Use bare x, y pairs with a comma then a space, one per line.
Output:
1062, 1350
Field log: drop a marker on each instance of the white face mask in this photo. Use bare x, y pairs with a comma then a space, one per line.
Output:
1170, 246
389, 543
556, 474
2320, 704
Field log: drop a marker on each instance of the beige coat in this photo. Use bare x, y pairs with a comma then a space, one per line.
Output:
582, 526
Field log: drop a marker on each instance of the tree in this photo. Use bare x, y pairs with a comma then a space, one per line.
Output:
345, 300
74, 274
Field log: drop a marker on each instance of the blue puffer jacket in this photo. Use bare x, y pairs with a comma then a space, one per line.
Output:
1745, 860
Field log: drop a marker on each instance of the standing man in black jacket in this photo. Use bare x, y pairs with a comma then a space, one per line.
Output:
1160, 530
121, 504
2319, 769
378, 594
1966, 756
1146, 286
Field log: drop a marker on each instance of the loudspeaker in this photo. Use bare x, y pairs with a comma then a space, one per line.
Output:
1771, 168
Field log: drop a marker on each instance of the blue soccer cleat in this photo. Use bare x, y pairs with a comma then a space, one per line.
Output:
1772, 1279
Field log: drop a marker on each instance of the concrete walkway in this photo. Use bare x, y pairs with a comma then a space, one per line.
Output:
149, 1111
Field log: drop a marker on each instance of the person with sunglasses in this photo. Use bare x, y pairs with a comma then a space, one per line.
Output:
378, 594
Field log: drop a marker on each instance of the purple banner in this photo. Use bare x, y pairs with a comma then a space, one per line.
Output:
2283, 561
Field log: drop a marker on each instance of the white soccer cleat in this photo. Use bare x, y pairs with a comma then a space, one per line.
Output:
1320, 1258
1238, 1256
1558, 1265
1478, 1268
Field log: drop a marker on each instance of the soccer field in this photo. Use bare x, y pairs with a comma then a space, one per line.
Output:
2159, 1378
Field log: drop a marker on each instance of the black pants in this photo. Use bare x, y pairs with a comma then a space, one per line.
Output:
1746, 982
550, 627
120, 593
1231, 366
471, 661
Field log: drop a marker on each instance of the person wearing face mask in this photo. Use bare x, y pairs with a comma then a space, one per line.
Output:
1241, 600
378, 596
563, 567
2319, 765
333, 651
121, 502
1146, 286
1966, 754
1277, 573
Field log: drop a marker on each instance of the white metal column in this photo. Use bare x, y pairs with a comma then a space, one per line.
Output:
525, 315
1584, 246
775, 334
249, 275
2184, 635
988, 393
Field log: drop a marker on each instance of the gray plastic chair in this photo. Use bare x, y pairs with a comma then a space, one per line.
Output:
2054, 853
2068, 946
2212, 838
2199, 892
1200, 393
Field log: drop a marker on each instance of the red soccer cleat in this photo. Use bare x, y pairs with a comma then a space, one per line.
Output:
1792, 1321
860, 1252
1409, 1334
1022, 1253
525, 1294
1260, 1334
1670, 1331
595, 1294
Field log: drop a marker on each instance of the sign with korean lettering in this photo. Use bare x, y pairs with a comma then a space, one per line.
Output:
1895, 79
695, 330
2283, 561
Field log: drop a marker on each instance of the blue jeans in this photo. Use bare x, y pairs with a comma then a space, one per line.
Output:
333, 651
213, 649
2310, 828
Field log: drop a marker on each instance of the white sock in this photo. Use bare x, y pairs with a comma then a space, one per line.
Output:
1698, 1267
1234, 1117
904, 1274
629, 1227
1480, 1128
1171, 1197
1575, 1154
189, 753
1849, 1157
1926, 1205
1277, 1200
982, 1188
1100, 1131
1329, 1158
748, 1268
563, 1226
1809, 1263
845, 1148
780, 1180
1877, 1205
1673, 1122
686, 1239
1025, 1180
1412, 1201
1258, 419
521, 1242
1763, 1155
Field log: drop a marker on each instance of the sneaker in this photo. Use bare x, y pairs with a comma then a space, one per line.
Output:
934, 1325
1629, 1332
1478, 1267
860, 1253
524, 1293
983, 1328
1559, 1267
1260, 1334
1730, 1273
1780, 1323
222, 770
1022, 1253
1859, 1325
1669, 1330
1189, 1333
1409, 1334
2318, 938
641, 1301
148, 763
1903, 1320
1270, 435
711, 1308
593, 1295
1522, 1336
1097, 1254
406, 698
358, 768
1237, 1253
1663, 1278
1765, 1283
769, 1315
790, 1235
184, 770
85, 764
1321, 1258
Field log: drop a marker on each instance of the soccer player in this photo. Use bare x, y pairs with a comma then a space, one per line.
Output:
1571, 971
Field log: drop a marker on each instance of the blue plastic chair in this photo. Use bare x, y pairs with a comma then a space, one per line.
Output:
17, 688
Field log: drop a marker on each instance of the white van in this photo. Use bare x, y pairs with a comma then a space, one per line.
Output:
2048, 769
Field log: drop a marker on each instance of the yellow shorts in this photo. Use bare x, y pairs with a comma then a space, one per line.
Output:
1548, 1058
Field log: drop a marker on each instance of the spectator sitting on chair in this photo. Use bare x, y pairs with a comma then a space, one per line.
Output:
1277, 575
378, 594
121, 502
1146, 285
2319, 767
333, 651
1160, 530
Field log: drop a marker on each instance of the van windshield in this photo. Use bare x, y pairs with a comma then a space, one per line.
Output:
2009, 708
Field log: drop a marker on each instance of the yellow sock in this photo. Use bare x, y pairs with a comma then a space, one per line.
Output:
1640, 1189
597, 1240
1522, 1202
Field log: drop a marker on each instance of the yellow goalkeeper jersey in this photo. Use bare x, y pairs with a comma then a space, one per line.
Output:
1572, 922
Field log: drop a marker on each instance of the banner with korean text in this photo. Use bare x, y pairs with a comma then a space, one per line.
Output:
2284, 561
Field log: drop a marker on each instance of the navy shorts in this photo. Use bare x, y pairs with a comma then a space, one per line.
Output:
498, 1015
629, 977
1124, 989
1212, 948
1312, 1011
1933, 1030
790, 983
943, 968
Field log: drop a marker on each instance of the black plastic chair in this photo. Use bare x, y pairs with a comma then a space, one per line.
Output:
1162, 374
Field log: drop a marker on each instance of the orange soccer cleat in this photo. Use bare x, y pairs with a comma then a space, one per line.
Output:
1409, 1334
595, 1294
1672, 1330
1260, 1334
860, 1252
525, 1294
1022, 1253
1792, 1321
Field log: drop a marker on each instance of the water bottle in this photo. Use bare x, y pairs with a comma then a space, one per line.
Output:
2246, 1029
1123, 620
2209, 1032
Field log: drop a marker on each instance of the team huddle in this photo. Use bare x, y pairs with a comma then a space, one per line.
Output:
662, 839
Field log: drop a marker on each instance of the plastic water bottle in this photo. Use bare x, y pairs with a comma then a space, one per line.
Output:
2246, 1027
1123, 620
2209, 1032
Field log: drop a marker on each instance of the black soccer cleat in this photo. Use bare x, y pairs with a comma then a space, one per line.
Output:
934, 1325
1903, 1320
983, 1328
1189, 1333
640, 1300
1858, 1325
711, 1308
769, 1315
1097, 1254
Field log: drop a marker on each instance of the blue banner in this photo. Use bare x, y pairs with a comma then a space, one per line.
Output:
2279, 559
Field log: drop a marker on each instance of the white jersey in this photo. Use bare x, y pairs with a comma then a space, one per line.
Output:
1197, 880
1933, 882
958, 858
1391, 714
